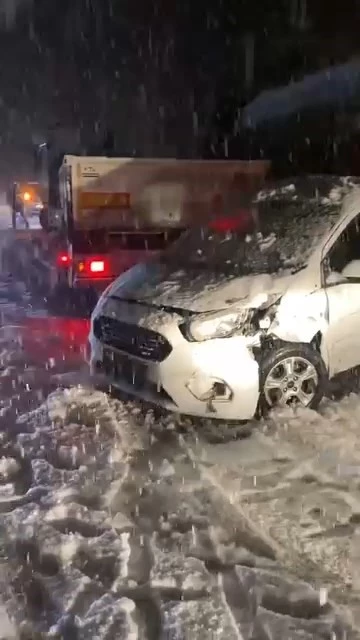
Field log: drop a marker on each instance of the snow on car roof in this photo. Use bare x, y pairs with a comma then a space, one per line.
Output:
294, 216
324, 189
298, 212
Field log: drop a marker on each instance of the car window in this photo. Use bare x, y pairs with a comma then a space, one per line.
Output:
346, 248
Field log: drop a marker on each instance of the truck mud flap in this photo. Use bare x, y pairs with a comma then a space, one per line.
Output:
65, 301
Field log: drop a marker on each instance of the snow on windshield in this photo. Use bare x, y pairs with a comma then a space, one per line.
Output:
293, 217
230, 253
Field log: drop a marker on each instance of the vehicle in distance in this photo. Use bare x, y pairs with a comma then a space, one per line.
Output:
223, 325
26, 201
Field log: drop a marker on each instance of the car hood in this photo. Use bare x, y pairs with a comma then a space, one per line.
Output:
195, 291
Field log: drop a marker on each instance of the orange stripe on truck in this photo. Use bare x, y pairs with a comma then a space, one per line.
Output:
102, 200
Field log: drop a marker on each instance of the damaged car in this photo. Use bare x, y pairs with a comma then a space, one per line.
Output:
225, 325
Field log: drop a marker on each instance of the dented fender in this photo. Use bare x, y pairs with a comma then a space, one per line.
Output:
302, 331
300, 318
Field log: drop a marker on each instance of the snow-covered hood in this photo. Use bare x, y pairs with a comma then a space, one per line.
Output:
195, 291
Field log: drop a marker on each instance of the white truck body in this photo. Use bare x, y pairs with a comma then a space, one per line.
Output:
108, 193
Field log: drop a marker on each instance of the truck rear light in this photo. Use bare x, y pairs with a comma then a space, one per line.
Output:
63, 260
94, 267
97, 266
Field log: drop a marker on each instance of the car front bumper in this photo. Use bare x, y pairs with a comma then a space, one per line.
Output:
213, 379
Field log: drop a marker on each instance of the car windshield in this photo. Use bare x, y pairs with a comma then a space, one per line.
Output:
287, 235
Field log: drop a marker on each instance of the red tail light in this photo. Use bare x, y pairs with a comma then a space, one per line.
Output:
63, 260
94, 267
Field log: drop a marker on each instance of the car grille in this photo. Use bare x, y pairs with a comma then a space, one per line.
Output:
132, 339
118, 366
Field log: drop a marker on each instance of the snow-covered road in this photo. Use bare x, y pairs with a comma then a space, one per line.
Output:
117, 525
112, 531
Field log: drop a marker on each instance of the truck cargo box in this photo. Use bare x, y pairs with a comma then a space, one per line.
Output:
101, 192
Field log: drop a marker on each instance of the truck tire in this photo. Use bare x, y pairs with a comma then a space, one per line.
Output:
292, 374
89, 300
61, 300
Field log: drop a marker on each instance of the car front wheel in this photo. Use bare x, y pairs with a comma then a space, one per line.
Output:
292, 375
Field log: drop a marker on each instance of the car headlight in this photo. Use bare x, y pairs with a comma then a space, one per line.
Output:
215, 325
222, 324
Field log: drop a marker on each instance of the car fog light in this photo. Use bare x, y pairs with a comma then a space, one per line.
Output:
206, 388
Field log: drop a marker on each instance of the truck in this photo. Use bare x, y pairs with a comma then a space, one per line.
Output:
101, 215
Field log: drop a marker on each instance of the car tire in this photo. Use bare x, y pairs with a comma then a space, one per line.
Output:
313, 378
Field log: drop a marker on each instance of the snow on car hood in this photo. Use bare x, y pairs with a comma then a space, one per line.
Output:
193, 291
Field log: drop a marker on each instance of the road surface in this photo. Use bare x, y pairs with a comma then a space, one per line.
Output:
118, 524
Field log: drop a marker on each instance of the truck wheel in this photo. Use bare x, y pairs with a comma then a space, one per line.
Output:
292, 374
89, 300
65, 301
60, 301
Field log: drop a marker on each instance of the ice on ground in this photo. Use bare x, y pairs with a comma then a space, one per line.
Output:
108, 616
9, 467
110, 510
298, 480
94, 407
200, 619
7, 627
174, 571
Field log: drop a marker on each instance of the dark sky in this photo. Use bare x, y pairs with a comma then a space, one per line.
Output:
161, 74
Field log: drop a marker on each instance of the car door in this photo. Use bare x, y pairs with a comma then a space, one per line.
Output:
342, 338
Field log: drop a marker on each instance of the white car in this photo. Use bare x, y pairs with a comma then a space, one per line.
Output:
224, 325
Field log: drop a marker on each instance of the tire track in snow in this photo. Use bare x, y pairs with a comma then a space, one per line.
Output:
298, 480
118, 536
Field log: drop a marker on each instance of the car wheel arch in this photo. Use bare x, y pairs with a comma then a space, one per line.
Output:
308, 332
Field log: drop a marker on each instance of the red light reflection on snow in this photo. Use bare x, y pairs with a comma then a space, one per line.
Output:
59, 339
